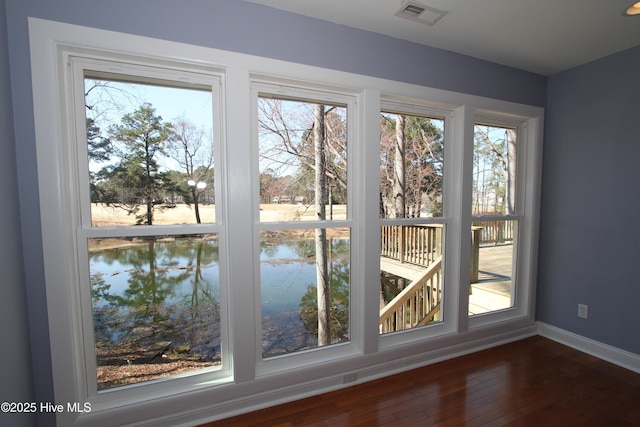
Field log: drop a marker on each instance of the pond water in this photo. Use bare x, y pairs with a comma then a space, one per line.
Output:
288, 289
167, 271
168, 290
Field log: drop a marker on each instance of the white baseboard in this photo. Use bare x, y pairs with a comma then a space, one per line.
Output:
602, 351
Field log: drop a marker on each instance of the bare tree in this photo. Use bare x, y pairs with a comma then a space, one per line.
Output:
510, 170
495, 170
294, 147
399, 170
322, 268
411, 163
192, 148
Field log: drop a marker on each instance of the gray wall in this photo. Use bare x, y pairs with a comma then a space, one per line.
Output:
15, 371
590, 229
225, 24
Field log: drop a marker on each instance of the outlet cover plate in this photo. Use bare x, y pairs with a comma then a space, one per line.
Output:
583, 311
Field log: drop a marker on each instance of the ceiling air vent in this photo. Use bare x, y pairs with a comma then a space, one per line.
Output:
420, 13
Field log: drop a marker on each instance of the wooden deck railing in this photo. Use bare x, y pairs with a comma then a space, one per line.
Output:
495, 232
415, 244
417, 304
421, 244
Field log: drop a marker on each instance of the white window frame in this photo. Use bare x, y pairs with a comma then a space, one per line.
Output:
173, 76
307, 92
371, 355
429, 109
70, 269
527, 162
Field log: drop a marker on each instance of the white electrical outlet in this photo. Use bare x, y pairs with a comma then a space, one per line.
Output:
583, 311
349, 378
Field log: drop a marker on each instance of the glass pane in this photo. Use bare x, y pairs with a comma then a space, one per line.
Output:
411, 276
492, 255
150, 153
294, 277
303, 160
494, 170
156, 307
411, 166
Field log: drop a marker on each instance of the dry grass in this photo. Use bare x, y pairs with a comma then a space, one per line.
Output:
106, 216
103, 215
116, 376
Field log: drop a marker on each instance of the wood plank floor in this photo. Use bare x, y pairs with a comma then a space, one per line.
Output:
533, 382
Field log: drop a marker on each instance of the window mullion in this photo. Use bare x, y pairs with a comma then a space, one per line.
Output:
242, 298
458, 209
366, 170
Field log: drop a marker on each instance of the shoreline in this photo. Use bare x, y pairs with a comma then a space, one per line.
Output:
108, 216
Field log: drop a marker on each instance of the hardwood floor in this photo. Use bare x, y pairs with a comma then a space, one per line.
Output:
533, 382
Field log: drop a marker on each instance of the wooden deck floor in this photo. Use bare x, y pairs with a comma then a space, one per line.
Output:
493, 290
532, 382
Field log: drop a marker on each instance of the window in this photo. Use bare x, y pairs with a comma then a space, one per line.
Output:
494, 231
150, 150
150, 239
304, 238
412, 232
235, 234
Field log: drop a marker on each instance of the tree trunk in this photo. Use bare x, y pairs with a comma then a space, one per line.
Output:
149, 197
324, 324
399, 174
510, 171
148, 182
196, 206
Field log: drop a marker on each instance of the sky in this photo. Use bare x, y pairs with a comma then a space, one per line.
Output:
111, 100
117, 99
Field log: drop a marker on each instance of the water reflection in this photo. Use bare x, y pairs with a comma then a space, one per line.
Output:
155, 301
289, 292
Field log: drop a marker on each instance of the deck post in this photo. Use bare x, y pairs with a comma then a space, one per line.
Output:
475, 253
438, 242
401, 240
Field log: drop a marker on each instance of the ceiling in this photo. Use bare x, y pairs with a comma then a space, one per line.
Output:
541, 36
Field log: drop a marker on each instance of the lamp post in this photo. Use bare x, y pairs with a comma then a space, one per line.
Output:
196, 189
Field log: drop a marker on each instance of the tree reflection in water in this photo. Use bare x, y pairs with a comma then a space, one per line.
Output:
157, 301
289, 295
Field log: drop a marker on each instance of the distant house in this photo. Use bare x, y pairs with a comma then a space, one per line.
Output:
281, 199
288, 199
